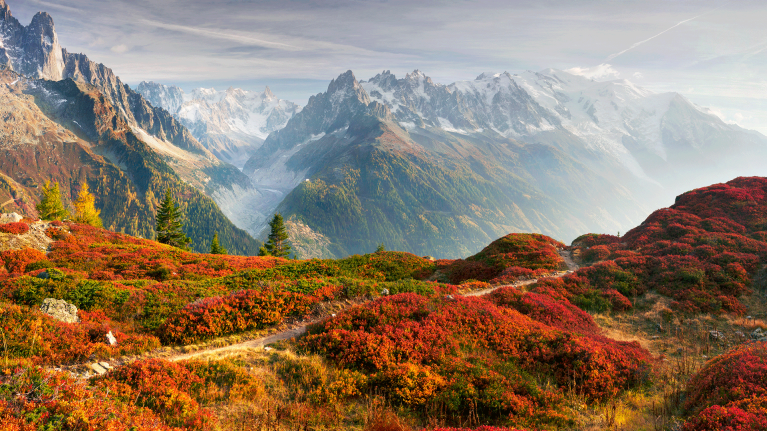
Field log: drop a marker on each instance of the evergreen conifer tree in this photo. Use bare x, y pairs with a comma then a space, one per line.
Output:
85, 208
262, 251
169, 229
51, 207
278, 245
215, 247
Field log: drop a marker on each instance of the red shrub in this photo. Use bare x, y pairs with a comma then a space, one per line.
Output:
737, 375
17, 228
521, 254
472, 343
17, 260
596, 253
34, 398
560, 314
57, 342
165, 387
732, 418
617, 301
238, 312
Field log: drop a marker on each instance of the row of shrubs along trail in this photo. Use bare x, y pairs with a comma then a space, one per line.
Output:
299, 328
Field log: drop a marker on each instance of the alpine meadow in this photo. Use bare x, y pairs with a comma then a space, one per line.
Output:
341, 241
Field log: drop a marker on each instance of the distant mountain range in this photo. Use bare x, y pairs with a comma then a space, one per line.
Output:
416, 165
424, 166
232, 124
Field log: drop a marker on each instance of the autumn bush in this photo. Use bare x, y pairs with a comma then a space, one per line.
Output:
16, 261
33, 398
467, 352
16, 228
702, 252
166, 388
238, 312
730, 391
560, 314
507, 259
31, 334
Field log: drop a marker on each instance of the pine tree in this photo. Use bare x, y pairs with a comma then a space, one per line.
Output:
51, 207
85, 208
169, 228
215, 247
381, 247
278, 245
262, 251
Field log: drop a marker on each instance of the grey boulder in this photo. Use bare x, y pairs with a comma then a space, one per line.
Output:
60, 310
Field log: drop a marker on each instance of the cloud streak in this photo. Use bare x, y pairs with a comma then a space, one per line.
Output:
221, 34
612, 56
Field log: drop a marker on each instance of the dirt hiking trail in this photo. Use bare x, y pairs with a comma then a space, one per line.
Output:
299, 329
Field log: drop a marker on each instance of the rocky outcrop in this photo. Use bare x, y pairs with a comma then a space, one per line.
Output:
33, 50
60, 310
10, 218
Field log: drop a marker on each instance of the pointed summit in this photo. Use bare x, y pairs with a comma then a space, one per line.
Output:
344, 80
345, 87
268, 93
417, 74
33, 50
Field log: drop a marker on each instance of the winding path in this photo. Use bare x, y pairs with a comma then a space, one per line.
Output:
295, 330
300, 328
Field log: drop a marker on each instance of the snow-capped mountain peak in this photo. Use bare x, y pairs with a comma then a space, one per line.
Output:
231, 123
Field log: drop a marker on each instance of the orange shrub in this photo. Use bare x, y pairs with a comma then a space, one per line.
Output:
17, 228
17, 260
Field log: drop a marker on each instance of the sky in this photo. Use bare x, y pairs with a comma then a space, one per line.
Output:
713, 52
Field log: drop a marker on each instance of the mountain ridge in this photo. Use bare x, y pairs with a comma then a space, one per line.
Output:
232, 123
346, 153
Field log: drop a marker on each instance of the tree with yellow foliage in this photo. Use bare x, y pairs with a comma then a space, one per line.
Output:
85, 210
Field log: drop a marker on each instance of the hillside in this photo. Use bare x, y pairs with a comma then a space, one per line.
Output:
34, 51
68, 132
619, 343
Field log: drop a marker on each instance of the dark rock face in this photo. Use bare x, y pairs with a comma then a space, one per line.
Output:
33, 50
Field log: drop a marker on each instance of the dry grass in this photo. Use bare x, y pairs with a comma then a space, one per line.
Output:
682, 345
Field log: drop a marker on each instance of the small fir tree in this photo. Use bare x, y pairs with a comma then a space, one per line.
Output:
215, 247
278, 245
380, 247
85, 208
51, 207
169, 228
262, 251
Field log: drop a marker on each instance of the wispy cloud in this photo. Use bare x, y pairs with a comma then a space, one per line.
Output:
221, 34
56, 6
612, 56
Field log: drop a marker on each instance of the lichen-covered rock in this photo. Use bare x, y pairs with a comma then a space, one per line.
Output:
60, 310
10, 218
